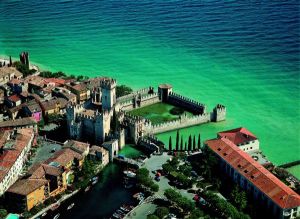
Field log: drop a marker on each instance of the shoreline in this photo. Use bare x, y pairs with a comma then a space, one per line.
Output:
31, 66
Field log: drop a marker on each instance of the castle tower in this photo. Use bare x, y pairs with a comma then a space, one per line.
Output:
108, 89
163, 92
102, 125
219, 113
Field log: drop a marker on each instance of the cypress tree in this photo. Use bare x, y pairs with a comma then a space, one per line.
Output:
185, 146
170, 143
177, 140
199, 141
181, 143
190, 143
114, 122
194, 143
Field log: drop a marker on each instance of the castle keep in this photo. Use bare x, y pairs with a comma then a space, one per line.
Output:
93, 119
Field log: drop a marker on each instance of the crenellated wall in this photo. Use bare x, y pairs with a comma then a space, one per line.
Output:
180, 123
133, 94
186, 103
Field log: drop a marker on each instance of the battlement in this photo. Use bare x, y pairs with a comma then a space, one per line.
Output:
220, 108
135, 93
108, 83
149, 96
178, 96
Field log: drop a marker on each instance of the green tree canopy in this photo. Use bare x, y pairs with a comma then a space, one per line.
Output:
123, 90
161, 212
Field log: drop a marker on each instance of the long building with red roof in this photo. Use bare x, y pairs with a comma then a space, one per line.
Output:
14, 148
278, 199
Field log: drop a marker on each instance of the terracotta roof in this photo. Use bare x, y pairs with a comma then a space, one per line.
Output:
238, 135
77, 145
27, 186
57, 81
18, 122
12, 148
9, 70
255, 173
14, 98
38, 171
64, 156
51, 104
33, 106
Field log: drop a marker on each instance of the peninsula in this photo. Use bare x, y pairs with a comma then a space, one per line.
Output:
59, 132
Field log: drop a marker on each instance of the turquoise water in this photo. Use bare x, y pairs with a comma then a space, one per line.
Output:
244, 54
12, 216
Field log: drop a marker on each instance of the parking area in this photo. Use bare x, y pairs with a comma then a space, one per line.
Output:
45, 150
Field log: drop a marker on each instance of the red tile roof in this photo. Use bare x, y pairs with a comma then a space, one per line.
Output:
64, 156
14, 98
27, 186
17, 145
238, 135
265, 181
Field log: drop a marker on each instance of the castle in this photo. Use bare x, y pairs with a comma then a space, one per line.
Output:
105, 117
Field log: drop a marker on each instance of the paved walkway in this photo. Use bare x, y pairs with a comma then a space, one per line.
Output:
65, 197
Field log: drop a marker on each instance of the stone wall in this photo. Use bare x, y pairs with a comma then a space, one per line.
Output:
149, 100
186, 103
132, 95
180, 123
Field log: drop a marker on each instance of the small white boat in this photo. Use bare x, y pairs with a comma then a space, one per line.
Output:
56, 216
70, 206
44, 214
129, 173
87, 188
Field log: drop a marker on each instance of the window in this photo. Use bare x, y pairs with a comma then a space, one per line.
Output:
245, 171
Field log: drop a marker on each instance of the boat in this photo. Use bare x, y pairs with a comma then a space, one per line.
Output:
95, 178
94, 182
115, 215
56, 216
44, 214
55, 206
70, 206
129, 173
87, 188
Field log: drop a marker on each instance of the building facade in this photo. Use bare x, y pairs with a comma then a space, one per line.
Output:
275, 198
15, 146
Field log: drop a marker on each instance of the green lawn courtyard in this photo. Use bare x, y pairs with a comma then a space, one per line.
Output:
159, 112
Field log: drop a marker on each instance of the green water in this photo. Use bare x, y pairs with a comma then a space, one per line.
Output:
242, 54
130, 151
295, 170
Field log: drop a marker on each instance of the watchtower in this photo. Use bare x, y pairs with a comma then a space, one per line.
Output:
108, 89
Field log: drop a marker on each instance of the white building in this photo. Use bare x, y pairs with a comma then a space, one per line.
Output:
14, 148
242, 138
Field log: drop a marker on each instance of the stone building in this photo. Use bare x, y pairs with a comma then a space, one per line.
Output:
272, 197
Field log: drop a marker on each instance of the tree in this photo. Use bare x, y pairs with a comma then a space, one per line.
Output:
185, 146
194, 143
170, 143
161, 212
152, 216
190, 143
238, 198
177, 140
3, 213
181, 143
168, 168
123, 90
114, 123
199, 141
